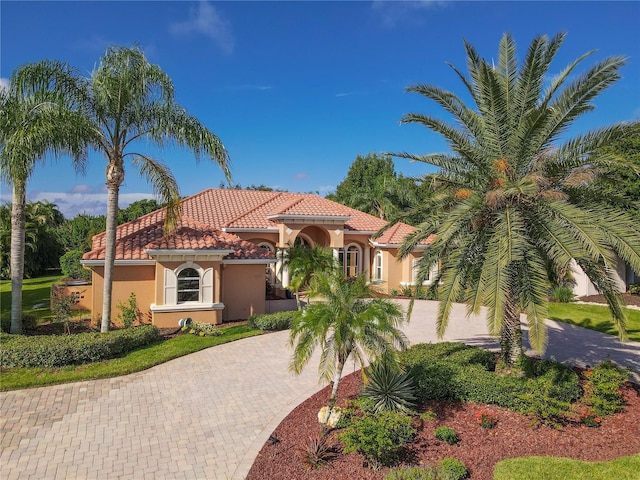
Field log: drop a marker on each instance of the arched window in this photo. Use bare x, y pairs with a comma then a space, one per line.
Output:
188, 285
351, 261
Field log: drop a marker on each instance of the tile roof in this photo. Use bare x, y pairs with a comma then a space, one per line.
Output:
395, 234
206, 215
133, 239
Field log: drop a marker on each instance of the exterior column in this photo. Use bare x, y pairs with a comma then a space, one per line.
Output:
367, 262
217, 284
282, 272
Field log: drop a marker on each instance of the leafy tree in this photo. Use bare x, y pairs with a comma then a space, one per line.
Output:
127, 99
303, 263
508, 224
35, 119
136, 210
76, 233
41, 221
71, 266
373, 186
345, 323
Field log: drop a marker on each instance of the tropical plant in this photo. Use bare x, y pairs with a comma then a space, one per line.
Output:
378, 437
303, 262
317, 452
128, 99
346, 323
390, 388
71, 266
36, 118
446, 434
509, 223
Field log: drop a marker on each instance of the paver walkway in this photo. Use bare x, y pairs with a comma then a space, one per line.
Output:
206, 415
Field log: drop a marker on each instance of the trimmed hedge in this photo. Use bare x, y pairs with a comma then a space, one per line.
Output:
458, 372
61, 350
272, 321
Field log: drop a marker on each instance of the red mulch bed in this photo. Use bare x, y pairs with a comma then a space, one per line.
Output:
479, 448
626, 297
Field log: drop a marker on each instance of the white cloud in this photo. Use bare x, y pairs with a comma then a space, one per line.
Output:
4, 83
300, 176
75, 202
207, 20
394, 13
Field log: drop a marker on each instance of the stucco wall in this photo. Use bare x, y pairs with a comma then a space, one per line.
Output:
170, 319
583, 285
243, 291
126, 279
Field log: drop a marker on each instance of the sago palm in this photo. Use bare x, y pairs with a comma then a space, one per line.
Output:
37, 117
344, 324
508, 224
303, 262
128, 100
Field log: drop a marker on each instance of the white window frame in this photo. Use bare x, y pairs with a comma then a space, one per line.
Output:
378, 266
205, 285
345, 263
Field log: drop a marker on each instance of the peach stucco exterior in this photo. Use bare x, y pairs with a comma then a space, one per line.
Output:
228, 248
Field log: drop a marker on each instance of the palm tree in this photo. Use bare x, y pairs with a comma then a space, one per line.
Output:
36, 118
129, 99
512, 223
303, 262
345, 323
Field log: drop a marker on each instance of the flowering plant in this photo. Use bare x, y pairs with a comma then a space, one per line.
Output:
590, 419
486, 418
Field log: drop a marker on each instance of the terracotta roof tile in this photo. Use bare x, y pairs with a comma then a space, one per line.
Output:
189, 235
206, 214
395, 234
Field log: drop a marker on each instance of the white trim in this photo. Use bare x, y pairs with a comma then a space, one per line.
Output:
125, 263
333, 218
249, 261
395, 245
191, 251
249, 230
186, 307
359, 232
411, 284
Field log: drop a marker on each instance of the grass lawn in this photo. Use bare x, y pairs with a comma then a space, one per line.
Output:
34, 291
595, 317
552, 468
142, 359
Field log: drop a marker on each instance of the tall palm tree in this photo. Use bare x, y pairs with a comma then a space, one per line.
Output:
129, 99
511, 222
345, 323
36, 118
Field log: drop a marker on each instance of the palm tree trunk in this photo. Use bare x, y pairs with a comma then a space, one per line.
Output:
511, 337
334, 391
17, 254
115, 177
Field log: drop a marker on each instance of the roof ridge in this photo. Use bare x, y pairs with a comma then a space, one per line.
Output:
260, 205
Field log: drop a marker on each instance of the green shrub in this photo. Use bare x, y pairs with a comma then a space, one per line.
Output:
562, 294
129, 311
202, 329
378, 437
29, 322
458, 372
446, 434
603, 388
272, 321
634, 288
426, 473
390, 389
57, 351
71, 267
452, 469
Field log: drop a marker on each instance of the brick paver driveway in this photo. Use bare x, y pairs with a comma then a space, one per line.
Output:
205, 415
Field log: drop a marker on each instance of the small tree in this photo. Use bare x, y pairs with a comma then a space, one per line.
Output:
347, 322
62, 308
129, 311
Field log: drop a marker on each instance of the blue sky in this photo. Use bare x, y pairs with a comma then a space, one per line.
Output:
296, 90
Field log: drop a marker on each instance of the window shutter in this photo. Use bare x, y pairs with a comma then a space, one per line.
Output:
207, 286
170, 287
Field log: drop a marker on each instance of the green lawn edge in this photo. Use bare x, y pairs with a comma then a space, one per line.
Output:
557, 468
136, 361
595, 317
